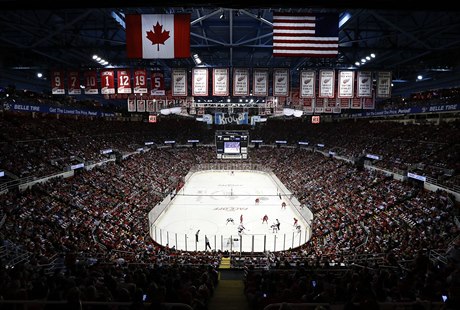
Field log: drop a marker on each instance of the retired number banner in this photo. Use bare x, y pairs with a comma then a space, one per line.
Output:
107, 82
73, 83
57, 83
140, 81
124, 81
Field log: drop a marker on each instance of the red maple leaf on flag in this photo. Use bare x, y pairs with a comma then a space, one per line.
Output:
158, 35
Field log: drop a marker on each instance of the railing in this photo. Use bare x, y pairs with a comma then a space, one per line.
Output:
452, 188
436, 256
13, 254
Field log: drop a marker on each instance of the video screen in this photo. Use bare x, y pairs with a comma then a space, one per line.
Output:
231, 147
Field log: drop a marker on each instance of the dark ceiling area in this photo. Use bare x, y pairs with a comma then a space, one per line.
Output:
417, 39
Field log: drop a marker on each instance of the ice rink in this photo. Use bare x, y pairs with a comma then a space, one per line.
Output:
209, 198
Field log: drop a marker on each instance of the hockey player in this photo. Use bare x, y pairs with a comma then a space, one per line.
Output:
265, 219
295, 222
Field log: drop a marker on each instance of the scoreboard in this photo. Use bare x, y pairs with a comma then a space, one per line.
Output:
232, 144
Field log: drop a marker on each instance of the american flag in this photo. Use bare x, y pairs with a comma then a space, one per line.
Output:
305, 35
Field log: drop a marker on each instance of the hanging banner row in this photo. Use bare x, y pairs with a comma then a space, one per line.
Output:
270, 104
312, 84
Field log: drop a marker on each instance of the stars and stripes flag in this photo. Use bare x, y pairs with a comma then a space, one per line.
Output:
305, 35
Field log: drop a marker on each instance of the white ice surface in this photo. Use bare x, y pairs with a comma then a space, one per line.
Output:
209, 198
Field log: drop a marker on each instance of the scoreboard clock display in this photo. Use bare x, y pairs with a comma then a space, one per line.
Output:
232, 144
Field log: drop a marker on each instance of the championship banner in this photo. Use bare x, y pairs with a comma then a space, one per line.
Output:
281, 82
368, 103
294, 98
307, 84
140, 105
189, 101
384, 84
356, 103
220, 82
150, 105
308, 105
260, 82
107, 82
344, 103
131, 104
319, 105
326, 84
199, 82
161, 104
179, 82
73, 83
241, 82
140, 81
158, 83
346, 84
91, 83
364, 82
57, 83
124, 81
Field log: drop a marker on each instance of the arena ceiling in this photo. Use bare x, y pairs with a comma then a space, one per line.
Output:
417, 39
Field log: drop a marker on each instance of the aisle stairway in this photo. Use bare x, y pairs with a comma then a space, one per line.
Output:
229, 293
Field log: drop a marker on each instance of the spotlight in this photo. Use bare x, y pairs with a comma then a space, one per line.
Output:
222, 15
373, 55
419, 77
39, 75
357, 63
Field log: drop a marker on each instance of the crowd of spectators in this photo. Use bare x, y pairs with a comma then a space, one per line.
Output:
421, 99
104, 210
102, 213
45, 145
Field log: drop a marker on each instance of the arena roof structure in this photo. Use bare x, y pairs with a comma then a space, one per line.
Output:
409, 39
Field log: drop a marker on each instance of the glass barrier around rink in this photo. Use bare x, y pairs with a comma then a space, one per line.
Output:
273, 242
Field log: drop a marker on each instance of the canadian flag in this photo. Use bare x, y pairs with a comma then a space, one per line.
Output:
158, 36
